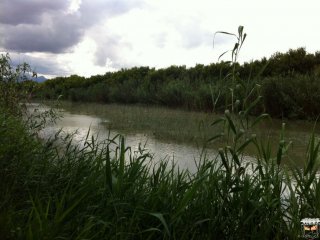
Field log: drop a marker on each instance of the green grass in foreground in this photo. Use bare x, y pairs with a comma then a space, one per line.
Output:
89, 192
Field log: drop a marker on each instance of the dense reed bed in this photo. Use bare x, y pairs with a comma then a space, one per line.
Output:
289, 85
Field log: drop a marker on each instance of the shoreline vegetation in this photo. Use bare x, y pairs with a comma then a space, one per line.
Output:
290, 86
56, 190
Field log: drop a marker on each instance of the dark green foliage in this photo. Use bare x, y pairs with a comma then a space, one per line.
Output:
292, 97
15, 84
290, 85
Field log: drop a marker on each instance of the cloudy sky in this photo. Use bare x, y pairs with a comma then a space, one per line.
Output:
88, 37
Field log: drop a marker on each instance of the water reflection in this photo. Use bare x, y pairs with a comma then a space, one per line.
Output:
143, 126
78, 125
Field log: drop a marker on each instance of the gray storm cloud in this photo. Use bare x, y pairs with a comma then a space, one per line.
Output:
14, 12
48, 26
55, 36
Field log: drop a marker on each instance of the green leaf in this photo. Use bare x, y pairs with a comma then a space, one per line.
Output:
259, 118
240, 30
236, 46
108, 170
224, 160
202, 221
231, 124
162, 220
240, 149
222, 32
67, 211
244, 37
218, 121
279, 154
221, 55
151, 230
234, 157
215, 137
122, 157
252, 105
313, 150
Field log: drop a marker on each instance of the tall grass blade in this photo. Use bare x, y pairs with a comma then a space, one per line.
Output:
280, 153
68, 211
260, 118
215, 137
231, 124
235, 157
122, 157
224, 160
313, 151
219, 120
241, 148
108, 170
252, 105
160, 217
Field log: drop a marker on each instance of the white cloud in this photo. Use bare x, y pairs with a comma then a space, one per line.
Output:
81, 60
74, 6
114, 34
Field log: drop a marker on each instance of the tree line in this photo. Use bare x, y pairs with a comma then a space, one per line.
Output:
290, 85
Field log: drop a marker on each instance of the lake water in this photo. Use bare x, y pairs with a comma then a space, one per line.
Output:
167, 133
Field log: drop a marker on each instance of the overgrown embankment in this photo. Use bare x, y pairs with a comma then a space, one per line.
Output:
54, 189
290, 85
83, 192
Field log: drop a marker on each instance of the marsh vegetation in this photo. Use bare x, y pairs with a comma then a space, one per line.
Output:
53, 189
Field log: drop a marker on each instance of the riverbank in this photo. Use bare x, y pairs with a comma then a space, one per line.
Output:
97, 190
84, 192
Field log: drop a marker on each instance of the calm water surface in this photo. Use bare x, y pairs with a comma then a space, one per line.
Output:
173, 134
78, 123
